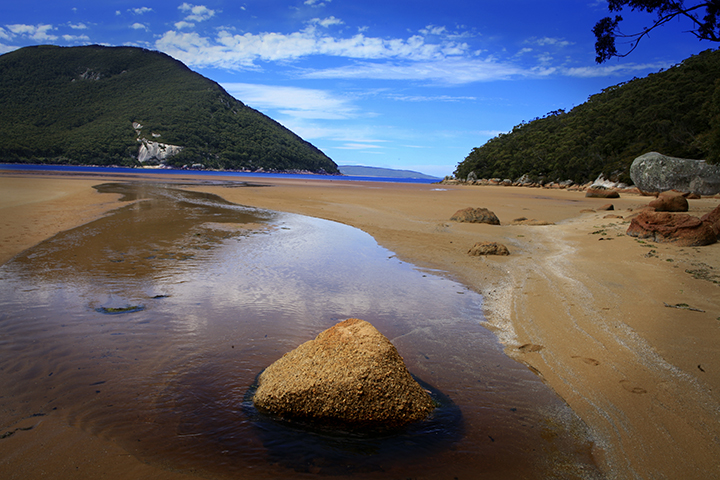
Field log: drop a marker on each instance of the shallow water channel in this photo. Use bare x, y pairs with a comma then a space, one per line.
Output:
150, 325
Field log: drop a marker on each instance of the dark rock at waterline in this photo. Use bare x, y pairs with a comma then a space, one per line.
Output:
681, 229
475, 215
654, 172
349, 375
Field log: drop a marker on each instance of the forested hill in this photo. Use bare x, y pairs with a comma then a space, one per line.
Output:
97, 105
675, 112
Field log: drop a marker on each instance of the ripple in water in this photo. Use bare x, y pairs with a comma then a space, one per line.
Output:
226, 290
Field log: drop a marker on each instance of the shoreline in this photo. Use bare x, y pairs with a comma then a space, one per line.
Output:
588, 316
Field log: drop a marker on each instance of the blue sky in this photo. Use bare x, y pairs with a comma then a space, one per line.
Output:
394, 83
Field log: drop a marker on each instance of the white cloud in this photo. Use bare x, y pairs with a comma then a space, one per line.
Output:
434, 98
242, 51
79, 26
293, 101
433, 30
326, 22
450, 71
183, 24
76, 38
358, 146
198, 13
548, 41
141, 10
138, 26
316, 3
4, 35
612, 70
35, 32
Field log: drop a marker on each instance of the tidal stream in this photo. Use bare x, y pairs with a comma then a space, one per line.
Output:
149, 326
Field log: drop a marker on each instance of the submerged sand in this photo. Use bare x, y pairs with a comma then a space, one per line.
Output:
589, 309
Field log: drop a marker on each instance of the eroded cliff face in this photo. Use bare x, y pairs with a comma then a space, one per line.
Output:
152, 152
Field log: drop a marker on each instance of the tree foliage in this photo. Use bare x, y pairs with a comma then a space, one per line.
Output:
675, 112
77, 105
703, 15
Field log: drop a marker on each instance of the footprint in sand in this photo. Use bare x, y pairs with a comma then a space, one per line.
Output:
630, 388
589, 361
530, 347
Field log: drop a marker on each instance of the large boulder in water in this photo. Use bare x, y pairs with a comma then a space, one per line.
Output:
654, 172
350, 375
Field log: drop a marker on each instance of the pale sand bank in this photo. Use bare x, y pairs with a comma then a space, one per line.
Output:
586, 314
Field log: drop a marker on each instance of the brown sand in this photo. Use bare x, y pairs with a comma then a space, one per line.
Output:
579, 302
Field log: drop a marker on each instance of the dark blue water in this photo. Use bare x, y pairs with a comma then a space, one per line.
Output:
211, 173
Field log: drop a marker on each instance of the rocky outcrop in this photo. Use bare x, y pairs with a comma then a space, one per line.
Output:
475, 215
151, 152
155, 152
680, 229
672, 201
600, 191
713, 219
349, 375
654, 172
488, 248
530, 221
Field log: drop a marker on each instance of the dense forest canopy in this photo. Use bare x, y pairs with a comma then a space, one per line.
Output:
77, 105
675, 112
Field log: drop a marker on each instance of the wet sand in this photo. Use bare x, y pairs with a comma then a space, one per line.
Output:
580, 303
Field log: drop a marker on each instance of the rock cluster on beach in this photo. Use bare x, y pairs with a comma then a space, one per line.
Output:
350, 375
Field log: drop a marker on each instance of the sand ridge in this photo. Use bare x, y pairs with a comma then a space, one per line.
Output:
625, 331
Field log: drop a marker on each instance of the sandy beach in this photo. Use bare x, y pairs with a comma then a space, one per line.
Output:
625, 331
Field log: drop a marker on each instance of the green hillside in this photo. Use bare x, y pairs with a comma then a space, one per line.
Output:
675, 112
77, 105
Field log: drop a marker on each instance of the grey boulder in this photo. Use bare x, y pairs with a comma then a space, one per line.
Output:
654, 172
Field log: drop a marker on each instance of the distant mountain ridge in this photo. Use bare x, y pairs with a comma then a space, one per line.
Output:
129, 106
362, 171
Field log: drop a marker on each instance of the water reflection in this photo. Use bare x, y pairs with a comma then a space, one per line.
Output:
225, 291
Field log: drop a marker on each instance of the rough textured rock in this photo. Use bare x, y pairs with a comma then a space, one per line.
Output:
154, 151
599, 191
607, 207
672, 201
681, 229
530, 221
654, 172
475, 215
488, 248
349, 375
713, 219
